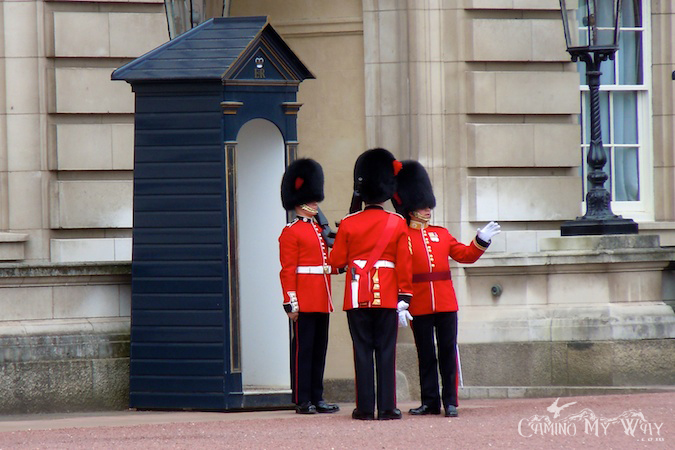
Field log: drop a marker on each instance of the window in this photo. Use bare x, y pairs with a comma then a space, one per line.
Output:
625, 117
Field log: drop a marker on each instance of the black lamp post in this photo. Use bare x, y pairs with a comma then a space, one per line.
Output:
593, 41
183, 15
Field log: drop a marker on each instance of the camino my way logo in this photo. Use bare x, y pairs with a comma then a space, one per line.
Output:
564, 422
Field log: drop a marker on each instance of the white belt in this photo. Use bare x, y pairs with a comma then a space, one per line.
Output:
355, 278
378, 264
313, 270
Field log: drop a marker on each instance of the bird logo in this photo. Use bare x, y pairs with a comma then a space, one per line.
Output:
555, 409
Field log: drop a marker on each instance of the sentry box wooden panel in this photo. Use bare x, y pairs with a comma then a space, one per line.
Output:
215, 126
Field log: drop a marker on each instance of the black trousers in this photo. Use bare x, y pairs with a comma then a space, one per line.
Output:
374, 333
309, 343
445, 325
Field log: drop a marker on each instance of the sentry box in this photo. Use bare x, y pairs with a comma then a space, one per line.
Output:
215, 127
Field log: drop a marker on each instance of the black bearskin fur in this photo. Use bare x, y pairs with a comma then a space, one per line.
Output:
374, 175
414, 190
311, 188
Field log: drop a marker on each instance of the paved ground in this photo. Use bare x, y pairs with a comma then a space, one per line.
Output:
603, 422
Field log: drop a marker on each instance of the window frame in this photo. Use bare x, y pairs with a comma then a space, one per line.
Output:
641, 210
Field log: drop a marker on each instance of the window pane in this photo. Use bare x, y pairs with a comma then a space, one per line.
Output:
625, 117
581, 68
629, 57
604, 13
606, 168
631, 14
583, 33
586, 116
604, 116
626, 177
607, 69
619, 116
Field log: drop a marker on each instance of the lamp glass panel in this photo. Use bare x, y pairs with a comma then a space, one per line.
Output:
597, 19
178, 16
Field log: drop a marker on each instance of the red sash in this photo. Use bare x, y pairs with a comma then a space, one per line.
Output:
365, 287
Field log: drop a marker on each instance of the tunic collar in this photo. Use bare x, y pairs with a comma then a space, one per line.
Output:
417, 225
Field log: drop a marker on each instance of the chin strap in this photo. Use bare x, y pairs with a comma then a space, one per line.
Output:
419, 217
309, 209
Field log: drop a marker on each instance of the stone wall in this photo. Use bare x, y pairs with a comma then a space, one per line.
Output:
65, 370
64, 337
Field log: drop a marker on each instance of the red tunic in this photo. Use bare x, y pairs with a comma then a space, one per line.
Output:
432, 286
301, 245
356, 238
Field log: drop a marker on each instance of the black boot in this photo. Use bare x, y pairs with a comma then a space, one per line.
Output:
305, 408
326, 408
424, 410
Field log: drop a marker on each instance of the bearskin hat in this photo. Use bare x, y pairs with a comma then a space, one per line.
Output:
302, 183
414, 190
375, 175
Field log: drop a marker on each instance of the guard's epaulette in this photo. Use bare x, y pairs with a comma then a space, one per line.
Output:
395, 213
288, 225
352, 214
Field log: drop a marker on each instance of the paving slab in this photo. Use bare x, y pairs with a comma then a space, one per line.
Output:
608, 421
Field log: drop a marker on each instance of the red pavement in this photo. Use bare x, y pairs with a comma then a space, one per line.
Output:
603, 422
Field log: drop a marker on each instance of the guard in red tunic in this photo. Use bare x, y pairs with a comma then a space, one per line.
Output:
373, 245
434, 304
305, 281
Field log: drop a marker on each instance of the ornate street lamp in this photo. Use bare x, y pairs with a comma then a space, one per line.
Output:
183, 15
592, 36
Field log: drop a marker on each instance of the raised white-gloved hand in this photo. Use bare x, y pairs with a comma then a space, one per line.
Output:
489, 231
403, 318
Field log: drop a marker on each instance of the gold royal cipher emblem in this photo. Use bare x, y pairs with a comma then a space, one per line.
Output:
259, 69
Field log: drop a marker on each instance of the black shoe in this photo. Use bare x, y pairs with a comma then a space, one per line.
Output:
424, 410
451, 411
305, 408
326, 408
390, 414
360, 415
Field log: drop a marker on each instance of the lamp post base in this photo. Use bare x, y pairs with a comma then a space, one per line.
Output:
584, 227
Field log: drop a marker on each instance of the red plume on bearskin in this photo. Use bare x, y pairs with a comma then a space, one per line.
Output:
414, 190
302, 183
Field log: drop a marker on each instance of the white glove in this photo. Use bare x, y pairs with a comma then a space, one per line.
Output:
403, 317
402, 306
293, 297
488, 231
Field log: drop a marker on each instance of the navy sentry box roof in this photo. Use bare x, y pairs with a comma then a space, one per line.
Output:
222, 48
193, 94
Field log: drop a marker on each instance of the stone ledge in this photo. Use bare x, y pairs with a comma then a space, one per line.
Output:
63, 327
665, 230
12, 246
573, 322
18, 349
64, 269
543, 261
590, 243
61, 274
483, 392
